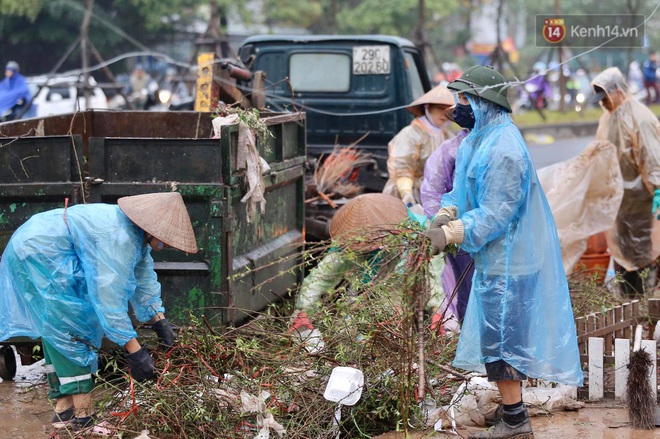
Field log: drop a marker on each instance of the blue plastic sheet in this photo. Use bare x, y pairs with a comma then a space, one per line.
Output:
519, 309
70, 282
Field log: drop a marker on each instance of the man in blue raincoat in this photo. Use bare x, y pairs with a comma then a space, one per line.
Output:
519, 320
14, 92
68, 276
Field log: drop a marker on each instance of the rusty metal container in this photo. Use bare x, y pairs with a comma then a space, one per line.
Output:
99, 156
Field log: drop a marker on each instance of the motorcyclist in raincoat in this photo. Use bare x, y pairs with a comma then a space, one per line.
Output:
68, 276
414, 144
438, 180
14, 92
634, 241
519, 321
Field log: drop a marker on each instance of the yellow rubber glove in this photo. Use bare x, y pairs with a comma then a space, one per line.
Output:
405, 187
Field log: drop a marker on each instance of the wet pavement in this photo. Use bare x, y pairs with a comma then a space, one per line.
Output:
26, 414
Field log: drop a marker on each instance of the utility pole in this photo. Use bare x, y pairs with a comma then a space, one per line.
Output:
84, 49
562, 80
421, 42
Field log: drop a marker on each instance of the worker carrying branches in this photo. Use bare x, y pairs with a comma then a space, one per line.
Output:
358, 230
519, 320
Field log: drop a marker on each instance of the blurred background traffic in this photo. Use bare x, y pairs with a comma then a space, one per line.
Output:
140, 54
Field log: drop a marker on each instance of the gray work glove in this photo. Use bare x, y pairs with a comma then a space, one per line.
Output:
439, 221
438, 239
443, 217
141, 364
166, 334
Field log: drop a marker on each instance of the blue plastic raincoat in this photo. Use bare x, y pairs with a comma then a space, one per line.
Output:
519, 308
71, 284
13, 90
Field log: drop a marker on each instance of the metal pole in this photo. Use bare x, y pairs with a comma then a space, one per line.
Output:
562, 80
84, 42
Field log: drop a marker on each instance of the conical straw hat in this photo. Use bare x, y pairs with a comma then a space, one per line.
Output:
164, 216
365, 214
449, 112
439, 95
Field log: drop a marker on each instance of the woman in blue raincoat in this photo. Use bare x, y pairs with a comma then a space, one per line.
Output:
519, 320
68, 276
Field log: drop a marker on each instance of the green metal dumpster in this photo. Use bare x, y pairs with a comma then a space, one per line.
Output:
99, 156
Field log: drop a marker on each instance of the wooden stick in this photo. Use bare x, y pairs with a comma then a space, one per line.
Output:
328, 200
311, 200
420, 342
449, 370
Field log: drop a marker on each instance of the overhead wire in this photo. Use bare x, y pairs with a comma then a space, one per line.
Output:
282, 99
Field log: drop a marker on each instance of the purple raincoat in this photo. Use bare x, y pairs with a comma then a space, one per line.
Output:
438, 180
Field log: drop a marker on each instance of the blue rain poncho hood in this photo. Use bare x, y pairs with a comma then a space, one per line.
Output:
519, 308
70, 282
12, 90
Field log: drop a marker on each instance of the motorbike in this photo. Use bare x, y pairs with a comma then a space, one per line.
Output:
538, 91
153, 97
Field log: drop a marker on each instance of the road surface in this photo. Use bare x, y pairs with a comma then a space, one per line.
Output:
558, 151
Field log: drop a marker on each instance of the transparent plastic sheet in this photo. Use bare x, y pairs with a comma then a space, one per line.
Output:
477, 398
407, 153
519, 308
71, 283
584, 194
634, 241
247, 158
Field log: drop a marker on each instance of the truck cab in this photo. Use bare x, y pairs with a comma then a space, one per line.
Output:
347, 85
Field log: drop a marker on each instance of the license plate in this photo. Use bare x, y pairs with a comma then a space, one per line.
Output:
371, 60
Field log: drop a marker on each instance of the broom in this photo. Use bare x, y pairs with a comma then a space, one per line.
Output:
641, 403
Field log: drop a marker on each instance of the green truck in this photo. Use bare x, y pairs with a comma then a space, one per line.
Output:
348, 86
99, 156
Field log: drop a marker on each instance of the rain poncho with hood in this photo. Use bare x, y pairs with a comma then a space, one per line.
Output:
69, 279
519, 309
408, 152
439, 180
634, 241
12, 90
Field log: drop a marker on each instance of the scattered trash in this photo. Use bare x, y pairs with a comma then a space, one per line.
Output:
345, 388
478, 397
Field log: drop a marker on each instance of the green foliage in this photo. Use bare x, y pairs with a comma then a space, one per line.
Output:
293, 13
205, 380
21, 8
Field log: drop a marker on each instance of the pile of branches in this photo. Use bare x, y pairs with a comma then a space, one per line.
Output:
334, 176
238, 381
